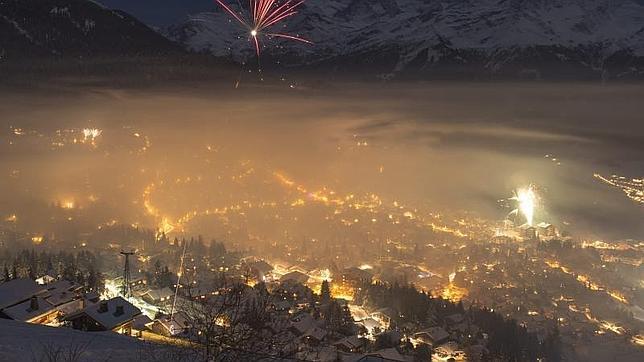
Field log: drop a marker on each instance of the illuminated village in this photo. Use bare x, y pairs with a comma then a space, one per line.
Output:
321, 181
348, 290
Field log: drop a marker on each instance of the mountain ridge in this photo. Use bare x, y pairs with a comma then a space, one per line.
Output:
596, 38
75, 28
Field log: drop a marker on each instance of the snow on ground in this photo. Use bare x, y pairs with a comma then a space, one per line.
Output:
29, 342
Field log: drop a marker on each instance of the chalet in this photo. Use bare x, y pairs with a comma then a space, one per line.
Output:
45, 279
356, 276
158, 296
140, 324
137, 283
18, 291
66, 297
370, 324
351, 344
295, 276
34, 310
116, 314
62, 291
173, 326
432, 336
26, 301
529, 232
384, 316
546, 230
260, 269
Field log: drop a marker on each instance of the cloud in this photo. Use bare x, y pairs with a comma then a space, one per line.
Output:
451, 146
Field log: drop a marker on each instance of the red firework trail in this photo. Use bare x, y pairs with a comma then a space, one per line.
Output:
264, 14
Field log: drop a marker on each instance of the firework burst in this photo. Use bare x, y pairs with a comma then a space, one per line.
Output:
263, 15
526, 200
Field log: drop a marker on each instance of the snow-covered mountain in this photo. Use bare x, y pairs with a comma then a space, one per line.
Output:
76, 28
433, 37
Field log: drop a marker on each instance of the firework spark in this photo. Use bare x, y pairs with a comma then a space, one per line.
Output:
91, 133
264, 14
526, 199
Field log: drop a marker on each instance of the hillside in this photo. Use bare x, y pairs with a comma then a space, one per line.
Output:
74, 28
23, 341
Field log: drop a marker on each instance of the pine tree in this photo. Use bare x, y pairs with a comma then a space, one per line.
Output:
6, 275
347, 324
333, 316
422, 353
157, 273
325, 292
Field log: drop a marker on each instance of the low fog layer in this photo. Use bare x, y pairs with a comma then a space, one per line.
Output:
442, 146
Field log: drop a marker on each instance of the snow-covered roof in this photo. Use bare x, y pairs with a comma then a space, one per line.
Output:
448, 348
262, 266
61, 292
389, 354
350, 342
369, 323
296, 276
61, 297
160, 294
315, 333
175, 325
92, 296
23, 312
110, 319
434, 334
45, 279
141, 322
62, 285
18, 290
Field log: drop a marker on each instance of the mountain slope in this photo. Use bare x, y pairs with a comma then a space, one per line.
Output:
76, 28
435, 36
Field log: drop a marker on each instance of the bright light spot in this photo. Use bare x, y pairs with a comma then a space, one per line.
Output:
253, 32
638, 339
325, 274
453, 293
91, 133
166, 226
527, 200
